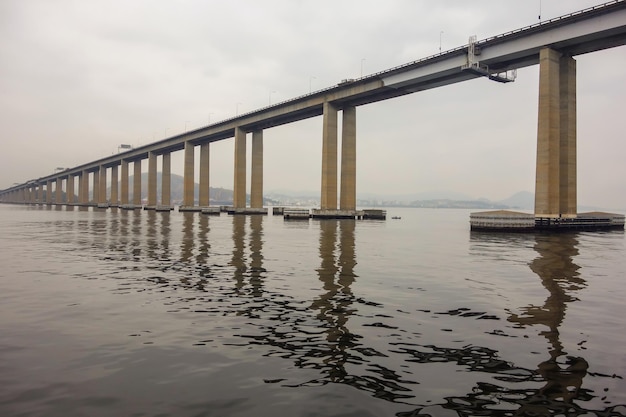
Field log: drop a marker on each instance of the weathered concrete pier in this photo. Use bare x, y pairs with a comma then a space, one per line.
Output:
556, 176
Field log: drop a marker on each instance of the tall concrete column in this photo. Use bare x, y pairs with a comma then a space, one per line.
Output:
204, 194
114, 187
152, 179
347, 199
83, 187
188, 181
124, 183
33, 194
166, 180
95, 186
256, 181
137, 182
69, 189
102, 185
49, 192
239, 186
59, 191
40, 196
568, 187
329, 158
555, 181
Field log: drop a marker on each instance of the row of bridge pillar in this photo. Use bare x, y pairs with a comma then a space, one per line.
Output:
555, 186
34, 193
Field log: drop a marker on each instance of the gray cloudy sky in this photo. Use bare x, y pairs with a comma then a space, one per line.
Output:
79, 78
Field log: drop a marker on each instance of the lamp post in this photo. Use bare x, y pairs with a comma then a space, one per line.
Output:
440, 33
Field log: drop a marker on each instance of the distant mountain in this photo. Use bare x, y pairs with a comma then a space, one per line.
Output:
524, 200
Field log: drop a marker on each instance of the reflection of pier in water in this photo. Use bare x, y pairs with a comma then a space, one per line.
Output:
325, 334
562, 375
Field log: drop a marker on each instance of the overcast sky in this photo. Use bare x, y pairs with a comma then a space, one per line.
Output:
79, 78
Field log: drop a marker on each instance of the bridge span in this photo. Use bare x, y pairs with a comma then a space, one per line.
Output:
552, 44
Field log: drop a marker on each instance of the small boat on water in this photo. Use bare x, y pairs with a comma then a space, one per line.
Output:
396, 217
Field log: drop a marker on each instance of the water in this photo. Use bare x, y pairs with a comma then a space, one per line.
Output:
116, 313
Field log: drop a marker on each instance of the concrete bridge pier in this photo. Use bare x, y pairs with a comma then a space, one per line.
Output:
152, 181
124, 179
49, 192
188, 179
58, 197
83, 188
114, 201
204, 199
137, 184
69, 190
555, 183
328, 200
256, 181
95, 187
166, 183
239, 182
102, 188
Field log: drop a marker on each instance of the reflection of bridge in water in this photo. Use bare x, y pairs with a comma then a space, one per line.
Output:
325, 333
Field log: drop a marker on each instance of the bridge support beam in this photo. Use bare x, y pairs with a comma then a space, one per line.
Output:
188, 181
152, 180
203, 194
166, 181
328, 200
239, 186
58, 191
95, 191
84, 187
137, 183
347, 200
256, 181
114, 187
124, 184
69, 190
49, 192
102, 187
555, 183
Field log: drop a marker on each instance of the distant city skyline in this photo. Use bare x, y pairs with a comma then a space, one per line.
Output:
80, 79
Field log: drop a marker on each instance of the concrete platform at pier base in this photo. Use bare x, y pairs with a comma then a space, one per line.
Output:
295, 213
213, 211
370, 214
374, 214
591, 221
130, 207
502, 221
247, 210
164, 208
512, 221
189, 208
103, 205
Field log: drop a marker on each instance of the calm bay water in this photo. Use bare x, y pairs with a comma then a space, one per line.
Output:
116, 313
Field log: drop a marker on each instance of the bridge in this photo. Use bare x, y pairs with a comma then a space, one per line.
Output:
551, 44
